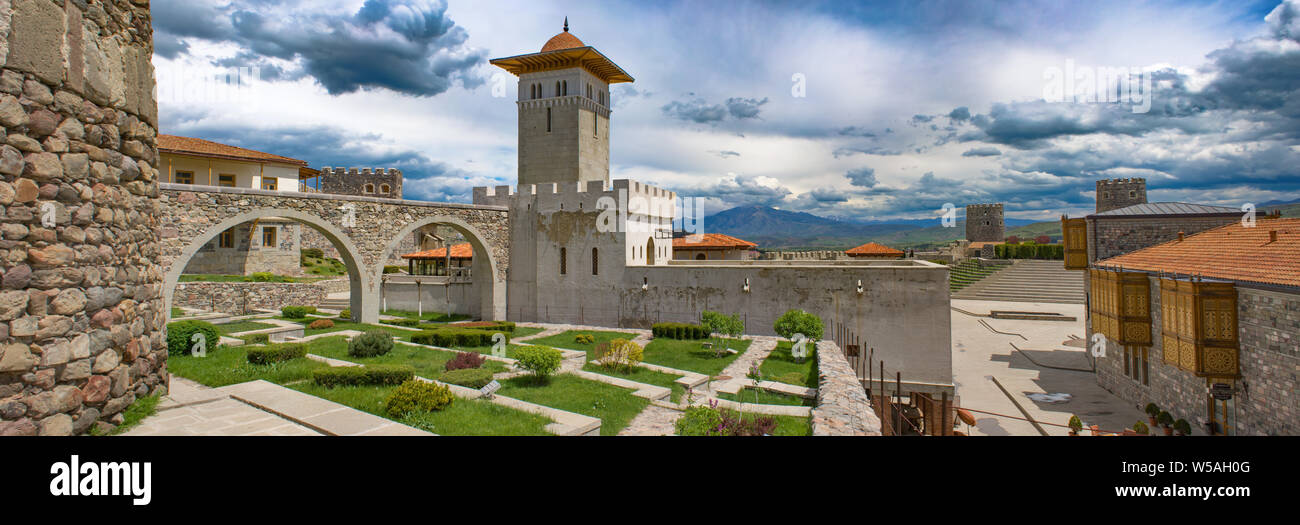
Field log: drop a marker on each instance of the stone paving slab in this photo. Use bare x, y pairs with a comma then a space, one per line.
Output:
221, 417
642, 390
324, 416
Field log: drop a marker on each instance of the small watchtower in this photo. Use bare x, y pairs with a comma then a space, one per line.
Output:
1120, 193
984, 223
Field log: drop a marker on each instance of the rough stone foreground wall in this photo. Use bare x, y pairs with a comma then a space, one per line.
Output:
842, 405
245, 298
81, 320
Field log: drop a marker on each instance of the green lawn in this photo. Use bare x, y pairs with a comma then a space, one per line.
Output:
432, 317
340, 325
177, 312
685, 354
565, 339
614, 406
322, 266
142, 407
780, 366
793, 426
767, 397
644, 375
242, 326
464, 417
428, 363
228, 365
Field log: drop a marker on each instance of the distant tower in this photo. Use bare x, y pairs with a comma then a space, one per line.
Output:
564, 110
984, 223
1119, 193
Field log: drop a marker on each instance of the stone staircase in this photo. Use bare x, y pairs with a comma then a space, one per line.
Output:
336, 304
1030, 281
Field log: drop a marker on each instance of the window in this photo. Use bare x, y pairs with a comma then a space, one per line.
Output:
226, 180
270, 183
384, 188
368, 189
268, 237
184, 177
699, 257
557, 88
564, 261
595, 262
565, 91
227, 239
595, 125
1136, 365
588, 90
548, 120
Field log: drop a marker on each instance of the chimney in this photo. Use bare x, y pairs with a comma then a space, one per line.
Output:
1272, 236
1180, 236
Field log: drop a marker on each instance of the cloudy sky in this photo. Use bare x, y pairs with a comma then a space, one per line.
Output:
854, 110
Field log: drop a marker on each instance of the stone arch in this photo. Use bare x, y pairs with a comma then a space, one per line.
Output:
492, 290
347, 251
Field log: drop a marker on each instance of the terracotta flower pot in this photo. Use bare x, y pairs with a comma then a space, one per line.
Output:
1153, 422
1169, 431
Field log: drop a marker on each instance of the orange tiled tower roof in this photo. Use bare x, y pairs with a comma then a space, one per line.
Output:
873, 249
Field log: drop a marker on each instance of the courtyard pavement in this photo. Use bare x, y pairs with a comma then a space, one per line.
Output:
191, 409
979, 354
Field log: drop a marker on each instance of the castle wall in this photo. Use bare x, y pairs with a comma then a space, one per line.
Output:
1110, 237
984, 223
433, 295
353, 181
81, 309
249, 255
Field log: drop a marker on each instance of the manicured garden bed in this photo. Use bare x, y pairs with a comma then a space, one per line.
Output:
428, 363
428, 317
643, 375
228, 365
341, 325
780, 366
685, 354
614, 406
767, 397
463, 417
566, 339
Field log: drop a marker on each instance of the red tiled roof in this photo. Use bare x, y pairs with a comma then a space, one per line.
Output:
458, 251
711, 241
207, 148
1232, 252
981, 244
873, 249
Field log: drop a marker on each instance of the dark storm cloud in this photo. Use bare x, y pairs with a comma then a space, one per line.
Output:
862, 177
700, 111
986, 151
408, 46
725, 153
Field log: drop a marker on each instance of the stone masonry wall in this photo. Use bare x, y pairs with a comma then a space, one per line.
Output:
985, 222
1114, 237
842, 405
81, 313
246, 298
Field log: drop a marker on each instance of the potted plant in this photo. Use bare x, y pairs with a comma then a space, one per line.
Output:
1141, 428
1166, 421
1182, 427
1153, 412
1075, 425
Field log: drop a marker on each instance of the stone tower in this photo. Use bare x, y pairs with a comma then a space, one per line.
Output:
1119, 193
82, 332
984, 223
564, 111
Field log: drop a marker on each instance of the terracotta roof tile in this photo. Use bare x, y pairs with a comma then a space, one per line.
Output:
873, 249
458, 251
564, 40
1232, 252
207, 148
711, 241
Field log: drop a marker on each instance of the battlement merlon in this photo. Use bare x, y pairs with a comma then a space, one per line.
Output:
1121, 182
582, 195
381, 172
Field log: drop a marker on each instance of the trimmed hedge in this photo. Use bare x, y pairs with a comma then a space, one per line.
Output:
1030, 250
276, 353
408, 323
363, 375
180, 332
297, 312
490, 326
455, 337
679, 331
468, 377
417, 396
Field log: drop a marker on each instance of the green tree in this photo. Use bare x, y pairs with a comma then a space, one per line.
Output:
799, 322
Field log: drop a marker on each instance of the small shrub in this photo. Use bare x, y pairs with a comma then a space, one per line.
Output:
257, 339
346, 314
321, 324
1152, 410
468, 377
584, 339
180, 333
619, 354
1141, 428
699, 421
465, 360
1165, 419
417, 396
276, 353
294, 312
362, 375
712, 421
370, 344
799, 322
541, 361
1075, 423
1183, 427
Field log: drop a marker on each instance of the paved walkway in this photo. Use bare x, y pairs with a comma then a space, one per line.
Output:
191, 409
979, 354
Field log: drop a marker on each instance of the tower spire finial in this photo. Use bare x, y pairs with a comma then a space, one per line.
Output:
566, 24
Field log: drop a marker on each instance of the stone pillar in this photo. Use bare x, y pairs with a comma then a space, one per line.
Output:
82, 332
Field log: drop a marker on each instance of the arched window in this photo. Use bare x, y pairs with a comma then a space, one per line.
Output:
557, 88
595, 262
369, 188
699, 257
548, 120
566, 87
564, 261
384, 188
650, 249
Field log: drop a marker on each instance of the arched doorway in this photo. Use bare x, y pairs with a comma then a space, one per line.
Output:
490, 288
650, 251
700, 257
348, 252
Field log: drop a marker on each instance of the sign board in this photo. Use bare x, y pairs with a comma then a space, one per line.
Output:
489, 388
1221, 391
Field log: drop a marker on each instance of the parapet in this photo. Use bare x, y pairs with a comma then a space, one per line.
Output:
581, 195
361, 172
